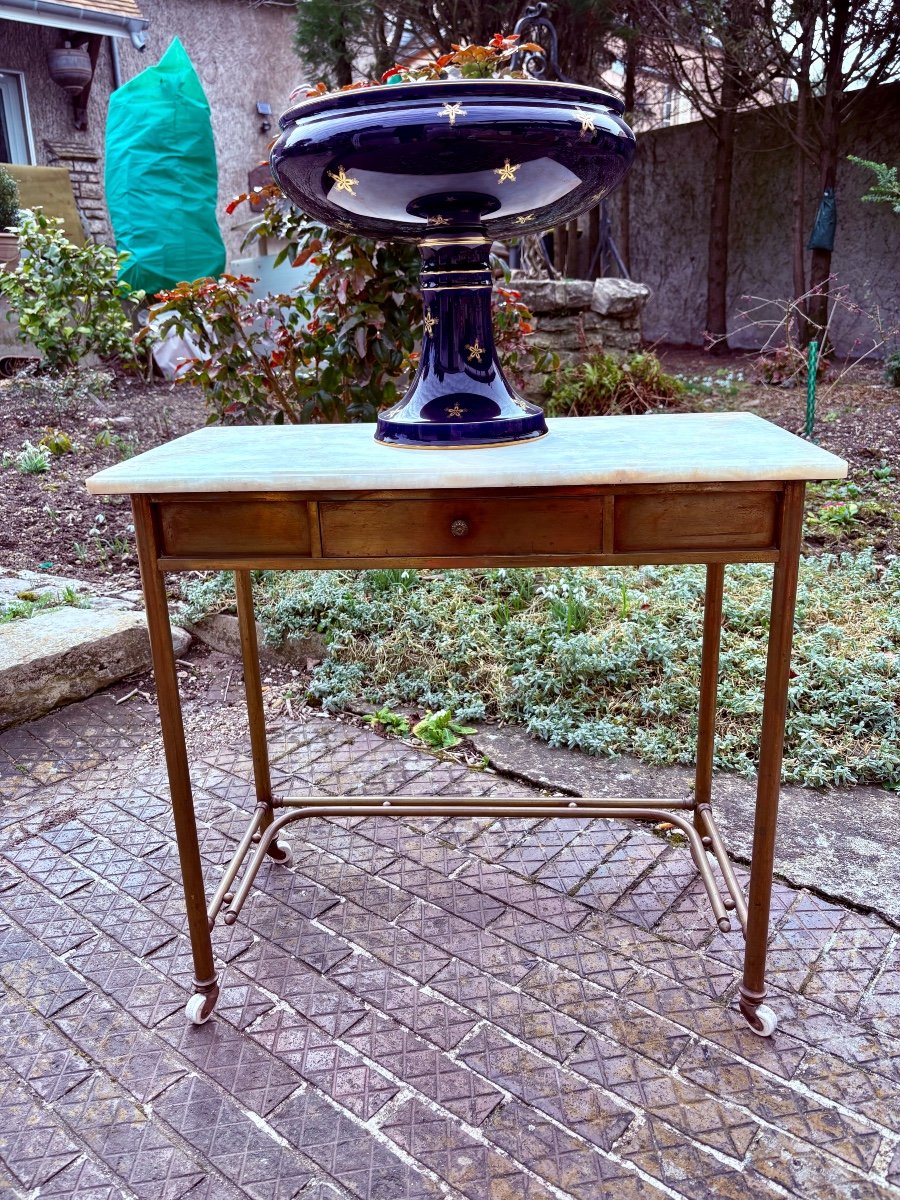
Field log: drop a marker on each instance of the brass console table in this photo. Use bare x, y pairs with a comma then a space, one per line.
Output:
601, 491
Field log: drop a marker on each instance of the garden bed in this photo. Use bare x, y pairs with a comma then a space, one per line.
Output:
50, 518
600, 660
91, 420
606, 660
857, 418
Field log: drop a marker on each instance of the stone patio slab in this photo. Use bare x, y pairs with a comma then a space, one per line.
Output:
421, 1010
67, 654
842, 842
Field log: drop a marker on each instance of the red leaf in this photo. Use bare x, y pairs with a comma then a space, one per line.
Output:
305, 255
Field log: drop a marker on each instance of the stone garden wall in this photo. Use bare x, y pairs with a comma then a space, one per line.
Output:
578, 317
670, 186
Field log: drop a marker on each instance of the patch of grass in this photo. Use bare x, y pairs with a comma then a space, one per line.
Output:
718, 384
30, 460
608, 661
855, 513
29, 604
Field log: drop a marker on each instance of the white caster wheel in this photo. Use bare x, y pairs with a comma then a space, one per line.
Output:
767, 1021
282, 854
199, 1008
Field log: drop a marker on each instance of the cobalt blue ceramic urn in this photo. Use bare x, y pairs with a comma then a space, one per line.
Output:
454, 165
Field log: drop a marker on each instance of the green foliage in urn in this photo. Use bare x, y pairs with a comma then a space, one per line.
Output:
67, 299
9, 200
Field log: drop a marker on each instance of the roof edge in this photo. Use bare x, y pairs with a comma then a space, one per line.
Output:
82, 19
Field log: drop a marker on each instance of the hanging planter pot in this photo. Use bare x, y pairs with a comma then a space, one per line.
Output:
9, 215
70, 68
9, 251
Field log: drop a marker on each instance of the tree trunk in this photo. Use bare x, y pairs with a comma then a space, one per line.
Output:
829, 149
719, 220
593, 241
798, 222
559, 248
820, 265
629, 96
572, 240
343, 59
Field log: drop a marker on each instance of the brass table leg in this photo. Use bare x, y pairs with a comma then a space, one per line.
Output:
206, 987
709, 684
704, 821
255, 714
781, 628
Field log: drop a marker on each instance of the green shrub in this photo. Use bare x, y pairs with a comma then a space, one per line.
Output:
608, 661
603, 384
886, 188
892, 369
57, 441
440, 730
9, 200
67, 299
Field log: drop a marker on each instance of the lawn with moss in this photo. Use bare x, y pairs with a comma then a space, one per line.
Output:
608, 661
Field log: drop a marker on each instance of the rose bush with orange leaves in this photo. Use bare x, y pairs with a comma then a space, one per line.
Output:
338, 349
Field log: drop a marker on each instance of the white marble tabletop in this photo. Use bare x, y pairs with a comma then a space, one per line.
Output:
656, 448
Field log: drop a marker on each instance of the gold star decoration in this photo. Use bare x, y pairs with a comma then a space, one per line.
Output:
506, 172
429, 321
452, 111
587, 122
455, 411
525, 218
439, 220
475, 350
343, 181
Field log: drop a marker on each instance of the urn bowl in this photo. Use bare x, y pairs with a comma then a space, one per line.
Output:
454, 165
518, 155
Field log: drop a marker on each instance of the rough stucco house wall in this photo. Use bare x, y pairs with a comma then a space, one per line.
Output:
670, 188
242, 53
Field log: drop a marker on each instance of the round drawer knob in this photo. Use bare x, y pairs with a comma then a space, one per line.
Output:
459, 528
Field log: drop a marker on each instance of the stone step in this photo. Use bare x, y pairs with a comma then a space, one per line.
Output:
66, 654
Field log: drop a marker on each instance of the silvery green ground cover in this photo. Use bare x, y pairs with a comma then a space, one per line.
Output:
607, 661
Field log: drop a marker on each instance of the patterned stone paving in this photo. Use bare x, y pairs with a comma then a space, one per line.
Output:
446, 1008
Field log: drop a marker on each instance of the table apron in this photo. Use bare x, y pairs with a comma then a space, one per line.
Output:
527, 527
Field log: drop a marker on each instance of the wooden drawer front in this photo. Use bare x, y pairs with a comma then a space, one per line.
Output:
492, 525
699, 521
234, 527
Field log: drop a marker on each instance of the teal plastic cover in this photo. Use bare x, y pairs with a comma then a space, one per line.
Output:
161, 176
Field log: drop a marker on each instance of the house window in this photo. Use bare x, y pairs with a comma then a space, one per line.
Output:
668, 107
15, 129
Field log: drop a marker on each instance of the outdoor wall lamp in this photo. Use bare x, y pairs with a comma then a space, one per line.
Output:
265, 111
